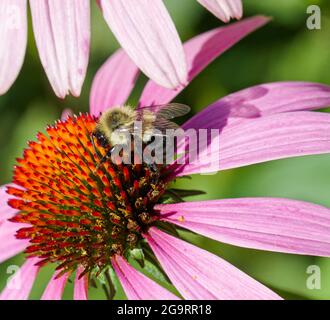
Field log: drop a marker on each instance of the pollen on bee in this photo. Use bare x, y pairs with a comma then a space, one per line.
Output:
80, 216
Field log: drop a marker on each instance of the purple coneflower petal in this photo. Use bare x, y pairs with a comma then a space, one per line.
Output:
224, 9
66, 114
262, 100
62, 33
200, 52
20, 285
6, 212
13, 35
113, 83
10, 246
259, 140
80, 286
198, 274
136, 285
55, 287
148, 35
260, 223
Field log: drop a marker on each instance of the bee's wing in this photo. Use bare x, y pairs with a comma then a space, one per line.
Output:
161, 124
173, 110
168, 111
159, 128
163, 115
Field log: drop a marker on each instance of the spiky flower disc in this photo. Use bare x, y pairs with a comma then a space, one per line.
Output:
80, 215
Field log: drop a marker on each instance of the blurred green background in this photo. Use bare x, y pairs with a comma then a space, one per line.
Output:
283, 50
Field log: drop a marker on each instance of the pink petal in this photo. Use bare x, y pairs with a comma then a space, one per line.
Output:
262, 100
113, 83
263, 139
13, 35
200, 275
136, 285
80, 286
55, 287
6, 212
224, 9
62, 33
261, 223
66, 114
148, 35
10, 246
200, 52
24, 278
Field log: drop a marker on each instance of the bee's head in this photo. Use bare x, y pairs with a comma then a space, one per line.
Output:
112, 121
118, 118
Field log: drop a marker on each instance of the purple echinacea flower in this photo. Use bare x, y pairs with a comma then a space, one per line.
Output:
80, 218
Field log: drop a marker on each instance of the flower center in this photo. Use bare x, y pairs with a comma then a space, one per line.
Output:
81, 213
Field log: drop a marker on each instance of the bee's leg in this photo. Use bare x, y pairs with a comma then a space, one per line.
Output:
152, 167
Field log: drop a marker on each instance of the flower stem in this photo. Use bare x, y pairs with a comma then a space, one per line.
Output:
111, 290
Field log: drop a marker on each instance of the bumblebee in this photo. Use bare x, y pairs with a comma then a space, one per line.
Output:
117, 125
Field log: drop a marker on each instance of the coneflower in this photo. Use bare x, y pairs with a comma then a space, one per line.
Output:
86, 220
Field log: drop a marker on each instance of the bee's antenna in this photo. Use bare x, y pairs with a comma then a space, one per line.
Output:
97, 167
104, 158
92, 135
